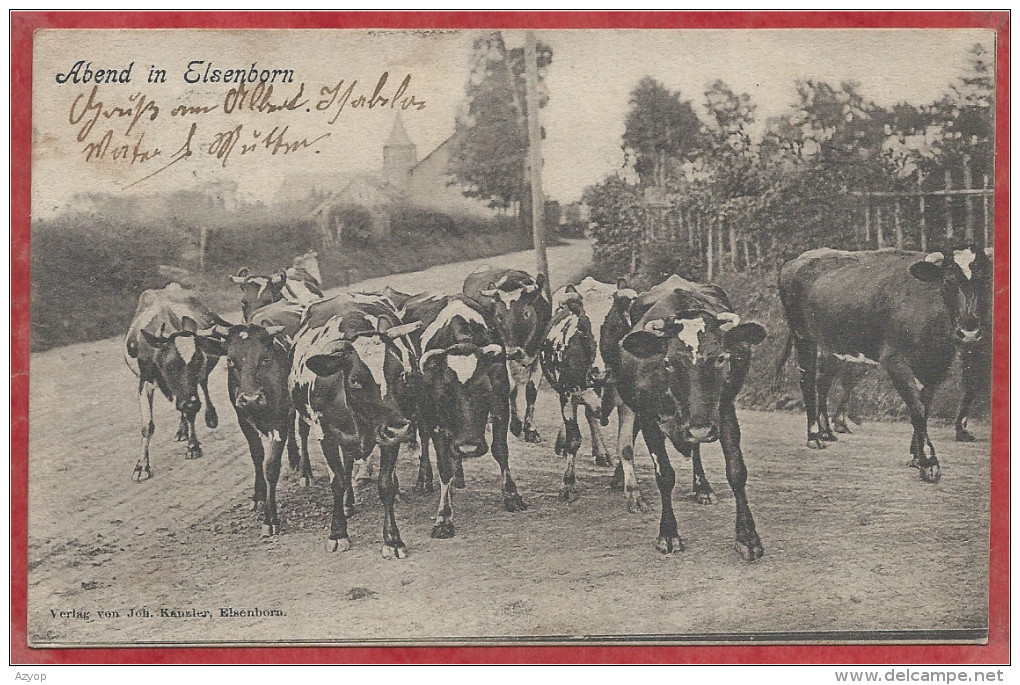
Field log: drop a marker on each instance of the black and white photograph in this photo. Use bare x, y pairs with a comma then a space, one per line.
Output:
510, 337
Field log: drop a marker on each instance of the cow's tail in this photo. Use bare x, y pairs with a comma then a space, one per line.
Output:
779, 380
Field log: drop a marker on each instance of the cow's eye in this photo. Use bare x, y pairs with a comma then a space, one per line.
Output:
721, 359
230, 363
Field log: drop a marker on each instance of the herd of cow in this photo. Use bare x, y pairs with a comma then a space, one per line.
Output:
357, 371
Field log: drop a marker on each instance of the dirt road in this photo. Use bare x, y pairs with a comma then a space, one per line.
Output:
854, 541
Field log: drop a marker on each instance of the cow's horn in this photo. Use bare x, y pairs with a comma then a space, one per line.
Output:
403, 329
935, 258
275, 330
428, 355
728, 320
492, 350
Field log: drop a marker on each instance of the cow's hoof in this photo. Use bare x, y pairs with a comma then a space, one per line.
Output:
443, 530
397, 551
516, 426
914, 463
531, 435
141, 473
194, 452
182, 434
964, 435
604, 460
931, 473
270, 529
256, 505
211, 419
568, 493
668, 545
514, 502
423, 487
829, 436
339, 545
815, 443
703, 496
750, 549
636, 503
842, 428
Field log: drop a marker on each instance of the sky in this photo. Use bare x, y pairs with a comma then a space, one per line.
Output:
588, 82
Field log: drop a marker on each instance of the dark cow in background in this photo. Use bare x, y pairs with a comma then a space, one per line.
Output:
682, 365
908, 311
300, 284
258, 357
568, 358
163, 351
518, 303
339, 386
464, 367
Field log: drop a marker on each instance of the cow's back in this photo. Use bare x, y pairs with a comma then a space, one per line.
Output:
280, 313
156, 311
707, 295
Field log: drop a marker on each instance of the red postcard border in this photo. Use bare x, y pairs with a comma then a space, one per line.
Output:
23, 25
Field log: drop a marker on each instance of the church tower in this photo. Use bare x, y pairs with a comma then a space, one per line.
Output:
399, 155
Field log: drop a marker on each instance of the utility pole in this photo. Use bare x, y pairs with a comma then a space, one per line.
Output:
535, 156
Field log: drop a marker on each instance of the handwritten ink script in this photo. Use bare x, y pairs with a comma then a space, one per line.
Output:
119, 117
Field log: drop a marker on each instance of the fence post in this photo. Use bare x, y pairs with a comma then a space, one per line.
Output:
719, 242
708, 253
879, 238
924, 229
867, 220
949, 204
744, 239
896, 223
984, 198
968, 202
733, 245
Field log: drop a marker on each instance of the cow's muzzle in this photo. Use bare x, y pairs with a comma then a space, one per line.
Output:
694, 434
250, 400
189, 405
469, 449
395, 430
968, 336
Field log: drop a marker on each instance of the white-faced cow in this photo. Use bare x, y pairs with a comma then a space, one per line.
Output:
339, 386
298, 284
683, 364
518, 303
907, 311
163, 351
466, 383
568, 358
258, 357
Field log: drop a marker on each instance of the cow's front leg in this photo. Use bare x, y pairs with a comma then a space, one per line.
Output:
702, 490
443, 528
258, 457
627, 478
599, 449
973, 370
568, 446
668, 540
905, 383
338, 540
146, 390
531, 396
512, 500
194, 446
182, 433
211, 418
424, 483
807, 363
747, 544
272, 446
393, 547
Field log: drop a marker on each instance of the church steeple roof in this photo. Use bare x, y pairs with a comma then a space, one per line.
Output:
398, 136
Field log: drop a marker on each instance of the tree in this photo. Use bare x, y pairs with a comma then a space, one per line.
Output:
660, 128
490, 155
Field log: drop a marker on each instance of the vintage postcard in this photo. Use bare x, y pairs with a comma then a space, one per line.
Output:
360, 336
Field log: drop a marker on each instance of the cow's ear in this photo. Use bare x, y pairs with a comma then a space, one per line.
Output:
570, 288
328, 364
154, 340
926, 271
277, 280
645, 344
622, 284
493, 351
211, 346
745, 333
540, 280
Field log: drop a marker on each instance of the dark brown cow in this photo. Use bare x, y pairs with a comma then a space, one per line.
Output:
682, 366
465, 385
163, 351
517, 302
907, 311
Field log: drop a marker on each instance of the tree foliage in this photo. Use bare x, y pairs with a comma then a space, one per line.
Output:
660, 126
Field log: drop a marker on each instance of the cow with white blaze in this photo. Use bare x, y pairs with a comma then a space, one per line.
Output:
568, 358
339, 385
163, 352
518, 304
466, 383
906, 311
682, 366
